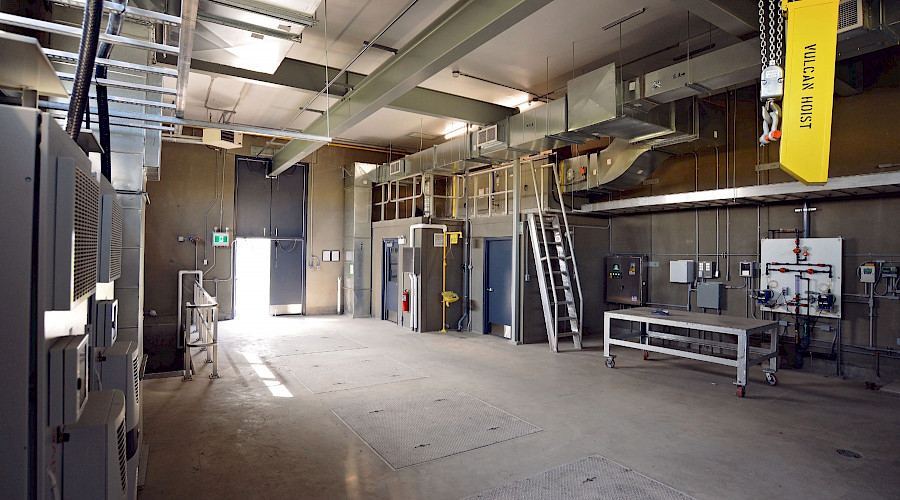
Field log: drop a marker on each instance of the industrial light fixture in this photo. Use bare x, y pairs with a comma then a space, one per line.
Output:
270, 11
625, 18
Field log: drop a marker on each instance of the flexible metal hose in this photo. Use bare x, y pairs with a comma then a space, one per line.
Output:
113, 27
87, 54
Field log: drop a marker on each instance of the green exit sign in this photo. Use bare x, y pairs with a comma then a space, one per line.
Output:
221, 239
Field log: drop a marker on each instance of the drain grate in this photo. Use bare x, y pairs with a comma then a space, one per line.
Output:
586, 479
419, 429
848, 453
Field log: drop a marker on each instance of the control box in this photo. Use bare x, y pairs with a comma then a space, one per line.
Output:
681, 271
706, 269
68, 379
889, 271
749, 269
625, 280
867, 272
711, 295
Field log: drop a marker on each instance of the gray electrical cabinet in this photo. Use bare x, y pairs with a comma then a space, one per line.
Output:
710, 294
625, 280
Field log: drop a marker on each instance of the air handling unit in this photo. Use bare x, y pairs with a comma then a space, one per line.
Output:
225, 139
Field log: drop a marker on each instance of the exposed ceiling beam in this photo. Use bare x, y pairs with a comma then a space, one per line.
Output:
462, 30
738, 18
310, 77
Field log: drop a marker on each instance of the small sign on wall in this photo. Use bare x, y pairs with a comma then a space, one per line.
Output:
331, 255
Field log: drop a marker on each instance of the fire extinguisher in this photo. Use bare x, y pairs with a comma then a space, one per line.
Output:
405, 300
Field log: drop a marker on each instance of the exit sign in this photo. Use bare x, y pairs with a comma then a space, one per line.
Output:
221, 239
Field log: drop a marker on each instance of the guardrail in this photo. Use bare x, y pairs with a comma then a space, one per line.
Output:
200, 317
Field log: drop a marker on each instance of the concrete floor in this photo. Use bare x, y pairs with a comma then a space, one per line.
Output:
674, 420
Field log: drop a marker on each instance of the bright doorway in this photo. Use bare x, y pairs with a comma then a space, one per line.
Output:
251, 277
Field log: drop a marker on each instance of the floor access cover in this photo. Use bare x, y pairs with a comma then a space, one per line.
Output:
414, 430
589, 478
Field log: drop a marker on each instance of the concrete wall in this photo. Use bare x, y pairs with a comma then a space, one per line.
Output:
864, 132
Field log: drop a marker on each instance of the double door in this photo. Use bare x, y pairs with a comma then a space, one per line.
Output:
275, 208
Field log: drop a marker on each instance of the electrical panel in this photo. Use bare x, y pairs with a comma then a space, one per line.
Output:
121, 370
93, 457
803, 275
749, 269
681, 271
711, 295
625, 281
109, 236
867, 273
68, 379
889, 272
706, 269
106, 318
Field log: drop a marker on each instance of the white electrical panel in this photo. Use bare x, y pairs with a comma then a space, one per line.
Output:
335, 256
106, 314
94, 463
326, 255
867, 273
68, 379
804, 275
681, 271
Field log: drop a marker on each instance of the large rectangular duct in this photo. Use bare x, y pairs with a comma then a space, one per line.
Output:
703, 74
357, 279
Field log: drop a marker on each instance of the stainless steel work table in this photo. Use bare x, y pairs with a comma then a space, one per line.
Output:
742, 328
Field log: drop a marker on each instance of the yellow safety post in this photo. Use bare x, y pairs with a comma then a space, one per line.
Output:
809, 89
447, 297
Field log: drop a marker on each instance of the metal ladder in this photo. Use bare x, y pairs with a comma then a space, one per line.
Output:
555, 271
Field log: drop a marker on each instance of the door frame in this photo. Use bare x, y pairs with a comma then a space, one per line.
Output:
385, 276
484, 280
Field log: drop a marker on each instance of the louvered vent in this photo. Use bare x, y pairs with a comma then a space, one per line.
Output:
120, 436
84, 264
487, 136
152, 173
849, 14
115, 243
137, 381
228, 135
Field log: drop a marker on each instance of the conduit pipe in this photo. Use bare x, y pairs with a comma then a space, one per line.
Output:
87, 54
113, 27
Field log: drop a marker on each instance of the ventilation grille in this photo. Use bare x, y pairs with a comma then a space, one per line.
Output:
137, 381
228, 135
84, 268
115, 241
487, 136
848, 15
120, 437
152, 173
396, 167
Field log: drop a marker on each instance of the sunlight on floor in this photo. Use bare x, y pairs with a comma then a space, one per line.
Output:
275, 386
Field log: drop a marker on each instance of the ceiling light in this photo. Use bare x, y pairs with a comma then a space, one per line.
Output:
623, 19
455, 133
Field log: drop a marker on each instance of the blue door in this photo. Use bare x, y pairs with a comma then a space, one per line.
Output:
497, 282
390, 280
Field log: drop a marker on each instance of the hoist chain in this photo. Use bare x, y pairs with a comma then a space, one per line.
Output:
779, 51
762, 33
771, 33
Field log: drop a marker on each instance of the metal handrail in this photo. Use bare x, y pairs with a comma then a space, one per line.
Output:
562, 206
202, 313
538, 197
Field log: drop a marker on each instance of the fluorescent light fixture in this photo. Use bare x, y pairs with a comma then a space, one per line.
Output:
455, 133
624, 18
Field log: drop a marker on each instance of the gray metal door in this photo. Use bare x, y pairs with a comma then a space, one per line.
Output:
497, 282
287, 279
252, 198
288, 205
391, 280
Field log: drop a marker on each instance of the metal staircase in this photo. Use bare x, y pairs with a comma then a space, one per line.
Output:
557, 271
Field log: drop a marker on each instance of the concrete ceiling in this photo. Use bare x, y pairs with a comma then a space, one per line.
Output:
538, 54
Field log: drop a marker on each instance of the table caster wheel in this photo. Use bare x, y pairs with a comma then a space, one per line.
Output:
646, 355
771, 379
741, 391
611, 362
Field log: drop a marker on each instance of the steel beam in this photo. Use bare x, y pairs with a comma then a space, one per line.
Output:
171, 120
62, 29
737, 18
308, 77
463, 29
72, 57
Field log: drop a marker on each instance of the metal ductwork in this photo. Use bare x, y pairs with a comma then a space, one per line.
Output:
866, 26
620, 166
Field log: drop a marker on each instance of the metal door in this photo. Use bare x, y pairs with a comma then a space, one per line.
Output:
391, 280
497, 282
288, 206
252, 198
287, 282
